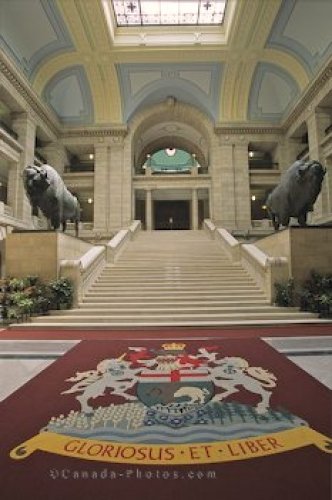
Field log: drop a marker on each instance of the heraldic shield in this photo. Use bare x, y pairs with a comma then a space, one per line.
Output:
175, 384
174, 388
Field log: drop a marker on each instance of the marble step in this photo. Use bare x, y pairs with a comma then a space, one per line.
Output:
171, 318
160, 271
173, 293
109, 282
158, 310
161, 266
120, 303
167, 323
155, 287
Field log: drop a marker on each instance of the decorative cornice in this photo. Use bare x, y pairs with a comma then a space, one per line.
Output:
26, 93
243, 130
312, 91
116, 131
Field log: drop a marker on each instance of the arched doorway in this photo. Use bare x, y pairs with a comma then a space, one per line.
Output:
171, 179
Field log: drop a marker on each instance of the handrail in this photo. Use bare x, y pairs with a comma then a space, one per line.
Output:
209, 227
265, 270
230, 245
82, 272
116, 245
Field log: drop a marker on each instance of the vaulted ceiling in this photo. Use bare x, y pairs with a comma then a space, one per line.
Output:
254, 68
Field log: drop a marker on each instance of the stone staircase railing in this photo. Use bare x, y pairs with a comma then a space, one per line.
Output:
265, 270
84, 271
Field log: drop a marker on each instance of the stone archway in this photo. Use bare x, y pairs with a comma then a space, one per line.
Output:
184, 125
176, 125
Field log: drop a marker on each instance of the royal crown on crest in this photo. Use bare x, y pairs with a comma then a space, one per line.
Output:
174, 346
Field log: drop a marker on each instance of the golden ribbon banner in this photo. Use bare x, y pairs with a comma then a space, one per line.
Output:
173, 454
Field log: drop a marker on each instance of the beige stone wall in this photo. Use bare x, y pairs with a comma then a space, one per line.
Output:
38, 253
70, 247
276, 245
311, 249
306, 249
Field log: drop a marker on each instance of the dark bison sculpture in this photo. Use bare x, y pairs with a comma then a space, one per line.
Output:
46, 191
296, 193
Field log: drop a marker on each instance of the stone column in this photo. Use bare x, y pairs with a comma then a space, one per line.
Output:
101, 190
56, 156
288, 150
223, 183
120, 181
148, 209
242, 186
127, 181
194, 209
328, 181
317, 122
25, 127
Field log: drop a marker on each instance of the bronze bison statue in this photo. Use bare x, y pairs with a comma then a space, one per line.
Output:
296, 193
46, 191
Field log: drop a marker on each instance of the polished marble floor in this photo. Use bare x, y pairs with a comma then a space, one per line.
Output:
20, 361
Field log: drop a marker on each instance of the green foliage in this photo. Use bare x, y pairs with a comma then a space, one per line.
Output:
16, 285
316, 294
20, 298
284, 295
62, 290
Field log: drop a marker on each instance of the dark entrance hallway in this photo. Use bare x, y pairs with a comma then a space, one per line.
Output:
171, 214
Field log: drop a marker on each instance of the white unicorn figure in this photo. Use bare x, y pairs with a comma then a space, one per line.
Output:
114, 374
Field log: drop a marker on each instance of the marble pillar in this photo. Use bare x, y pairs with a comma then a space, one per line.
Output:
25, 127
148, 209
194, 209
101, 190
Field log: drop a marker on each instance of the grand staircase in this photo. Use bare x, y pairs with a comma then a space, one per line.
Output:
172, 278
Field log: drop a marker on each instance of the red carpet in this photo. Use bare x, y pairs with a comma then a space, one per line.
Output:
296, 330
149, 419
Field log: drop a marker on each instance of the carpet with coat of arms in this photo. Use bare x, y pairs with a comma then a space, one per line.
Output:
226, 418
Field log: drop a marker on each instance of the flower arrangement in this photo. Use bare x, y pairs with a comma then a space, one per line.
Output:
21, 298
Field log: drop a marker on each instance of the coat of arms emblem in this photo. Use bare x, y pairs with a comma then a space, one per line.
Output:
168, 406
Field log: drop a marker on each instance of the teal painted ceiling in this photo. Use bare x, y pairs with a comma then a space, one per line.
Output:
166, 160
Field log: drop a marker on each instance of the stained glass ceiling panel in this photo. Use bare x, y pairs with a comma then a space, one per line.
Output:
169, 13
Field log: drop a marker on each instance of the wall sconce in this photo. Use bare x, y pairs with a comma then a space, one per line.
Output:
90, 200
253, 197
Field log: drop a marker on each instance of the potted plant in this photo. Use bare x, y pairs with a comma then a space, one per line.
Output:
284, 296
325, 305
316, 294
62, 293
43, 299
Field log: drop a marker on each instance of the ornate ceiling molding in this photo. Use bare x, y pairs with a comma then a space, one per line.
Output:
305, 100
25, 91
